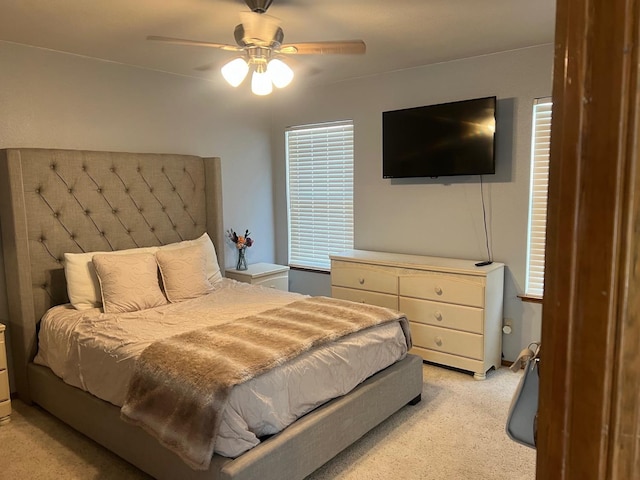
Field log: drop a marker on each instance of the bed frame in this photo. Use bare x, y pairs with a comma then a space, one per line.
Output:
57, 201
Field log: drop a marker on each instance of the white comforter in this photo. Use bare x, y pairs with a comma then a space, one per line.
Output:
96, 352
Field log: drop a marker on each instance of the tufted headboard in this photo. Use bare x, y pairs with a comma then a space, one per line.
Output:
57, 201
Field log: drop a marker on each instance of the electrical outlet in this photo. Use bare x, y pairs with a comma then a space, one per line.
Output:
507, 326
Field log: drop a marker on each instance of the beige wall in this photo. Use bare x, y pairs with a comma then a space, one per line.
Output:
55, 100
439, 217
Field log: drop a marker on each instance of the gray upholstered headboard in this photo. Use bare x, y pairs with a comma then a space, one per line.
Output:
57, 201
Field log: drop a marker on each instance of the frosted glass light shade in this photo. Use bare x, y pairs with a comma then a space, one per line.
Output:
261, 83
235, 71
281, 73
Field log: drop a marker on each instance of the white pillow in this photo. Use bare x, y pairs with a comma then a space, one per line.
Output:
83, 286
212, 267
184, 273
128, 282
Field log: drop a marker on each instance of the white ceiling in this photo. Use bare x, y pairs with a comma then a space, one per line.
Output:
399, 33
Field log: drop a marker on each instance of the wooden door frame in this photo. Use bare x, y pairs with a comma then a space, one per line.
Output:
589, 417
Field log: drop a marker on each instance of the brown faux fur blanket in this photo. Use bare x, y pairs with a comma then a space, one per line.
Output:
180, 385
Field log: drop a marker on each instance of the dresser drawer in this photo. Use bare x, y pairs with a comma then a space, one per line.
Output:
364, 277
4, 386
362, 296
445, 315
464, 363
447, 341
279, 282
461, 289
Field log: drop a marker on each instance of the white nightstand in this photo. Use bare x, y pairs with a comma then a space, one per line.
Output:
5, 395
265, 274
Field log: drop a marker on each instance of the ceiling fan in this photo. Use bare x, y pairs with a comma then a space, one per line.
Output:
259, 39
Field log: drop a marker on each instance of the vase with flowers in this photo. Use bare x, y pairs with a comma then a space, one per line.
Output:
241, 242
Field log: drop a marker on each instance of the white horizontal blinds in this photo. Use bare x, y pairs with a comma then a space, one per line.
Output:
539, 190
320, 192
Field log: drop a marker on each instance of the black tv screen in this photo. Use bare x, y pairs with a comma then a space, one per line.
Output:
456, 138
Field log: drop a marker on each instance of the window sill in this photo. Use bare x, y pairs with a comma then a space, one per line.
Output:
312, 270
530, 298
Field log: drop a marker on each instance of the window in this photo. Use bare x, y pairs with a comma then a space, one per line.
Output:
541, 139
319, 192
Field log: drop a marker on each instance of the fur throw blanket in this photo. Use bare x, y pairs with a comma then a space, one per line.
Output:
180, 385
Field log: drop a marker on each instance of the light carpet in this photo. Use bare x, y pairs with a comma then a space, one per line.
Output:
456, 432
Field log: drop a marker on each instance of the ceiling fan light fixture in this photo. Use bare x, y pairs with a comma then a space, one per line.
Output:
281, 73
258, 6
259, 37
235, 71
261, 83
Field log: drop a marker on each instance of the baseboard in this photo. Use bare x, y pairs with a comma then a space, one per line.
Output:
507, 363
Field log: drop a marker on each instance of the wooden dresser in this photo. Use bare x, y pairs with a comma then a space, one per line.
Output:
5, 396
454, 307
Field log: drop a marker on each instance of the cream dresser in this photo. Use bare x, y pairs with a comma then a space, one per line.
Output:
5, 398
454, 307
265, 274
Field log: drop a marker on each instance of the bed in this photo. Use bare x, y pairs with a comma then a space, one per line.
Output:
59, 201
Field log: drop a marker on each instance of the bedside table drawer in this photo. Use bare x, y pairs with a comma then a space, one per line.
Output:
279, 282
3, 351
4, 386
5, 410
446, 315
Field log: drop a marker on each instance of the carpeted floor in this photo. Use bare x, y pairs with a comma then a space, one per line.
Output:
455, 433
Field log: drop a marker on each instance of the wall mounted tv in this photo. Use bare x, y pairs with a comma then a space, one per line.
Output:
456, 138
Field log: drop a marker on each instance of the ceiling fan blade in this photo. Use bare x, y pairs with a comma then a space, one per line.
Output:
321, 48
182, 41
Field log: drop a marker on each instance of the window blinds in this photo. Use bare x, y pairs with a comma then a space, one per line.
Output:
320, 192
541, 140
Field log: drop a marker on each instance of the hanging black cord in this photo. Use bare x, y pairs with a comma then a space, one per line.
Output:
484, 216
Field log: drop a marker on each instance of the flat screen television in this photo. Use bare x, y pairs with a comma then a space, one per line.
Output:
456, 138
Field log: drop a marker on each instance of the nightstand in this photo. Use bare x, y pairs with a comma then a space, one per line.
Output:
5, 396
265, 274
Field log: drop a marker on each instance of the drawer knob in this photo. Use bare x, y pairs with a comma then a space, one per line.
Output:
438, 291
438, 341
438, 316
361, 280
